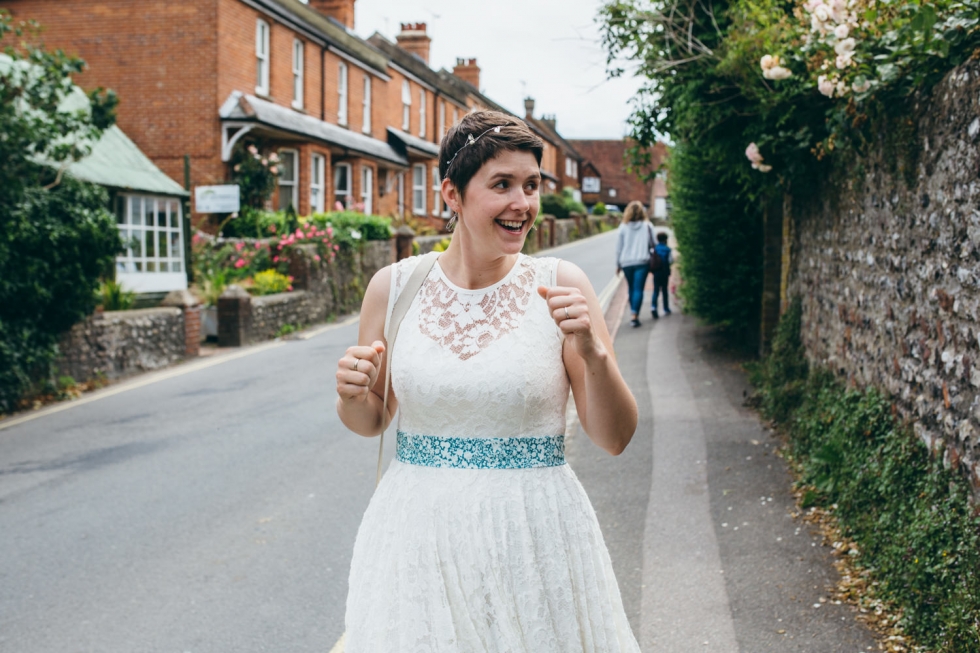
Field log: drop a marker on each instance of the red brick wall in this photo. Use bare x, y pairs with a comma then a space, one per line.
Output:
160, 57
608, 159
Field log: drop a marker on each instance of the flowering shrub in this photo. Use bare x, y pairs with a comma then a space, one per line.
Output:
270, 282
307, 233
351, 229
255, 173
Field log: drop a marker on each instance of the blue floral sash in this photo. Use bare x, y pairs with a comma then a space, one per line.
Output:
480, 453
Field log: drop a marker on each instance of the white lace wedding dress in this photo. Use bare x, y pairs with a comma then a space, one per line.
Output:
479, 538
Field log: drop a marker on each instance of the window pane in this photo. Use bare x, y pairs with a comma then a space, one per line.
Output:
174, 215
287, 166
139, 266
174, 245
135, 210
120, 210
161, 214
285, 196
176, 266
162, 244
136, 243
164, 267
150, 242
340, 179
148, 210
151, 266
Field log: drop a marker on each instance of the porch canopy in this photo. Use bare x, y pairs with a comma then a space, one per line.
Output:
412, 146
242, 113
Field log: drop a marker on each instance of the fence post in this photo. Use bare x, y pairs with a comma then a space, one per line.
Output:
404, 236
234, 317
188, 304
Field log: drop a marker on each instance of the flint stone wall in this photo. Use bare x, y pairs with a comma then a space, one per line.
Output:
889, 274
119, 343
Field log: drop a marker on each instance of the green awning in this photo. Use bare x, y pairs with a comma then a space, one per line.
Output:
115, 161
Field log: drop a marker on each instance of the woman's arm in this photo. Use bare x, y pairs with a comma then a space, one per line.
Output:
361, 390
606, 407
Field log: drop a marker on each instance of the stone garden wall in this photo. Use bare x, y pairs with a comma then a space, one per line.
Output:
888, 267
115, 344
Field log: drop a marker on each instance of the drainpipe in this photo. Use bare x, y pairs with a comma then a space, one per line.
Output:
323, 83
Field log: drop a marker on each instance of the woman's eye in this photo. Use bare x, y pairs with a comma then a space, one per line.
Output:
531, 187
501, 184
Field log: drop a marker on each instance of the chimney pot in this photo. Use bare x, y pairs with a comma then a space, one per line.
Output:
468, 71
413, 39
529, 106
340, 10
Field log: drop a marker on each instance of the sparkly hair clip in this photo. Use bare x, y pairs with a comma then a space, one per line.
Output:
470, 140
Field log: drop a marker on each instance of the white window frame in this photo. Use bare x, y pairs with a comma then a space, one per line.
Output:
342, 94
436, 192
262, 32
418, 189
442, 120
367, 189
591, 184
421, 113
298, 68
344, 196
141, 234
406, 106
317, 186
455, 116
291, 184
366, 118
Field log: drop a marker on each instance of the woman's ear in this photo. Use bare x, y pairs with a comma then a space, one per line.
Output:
451, 196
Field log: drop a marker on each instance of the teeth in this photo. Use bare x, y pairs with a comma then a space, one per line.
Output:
511, 225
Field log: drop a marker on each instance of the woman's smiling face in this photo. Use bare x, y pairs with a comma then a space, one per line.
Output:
501, 201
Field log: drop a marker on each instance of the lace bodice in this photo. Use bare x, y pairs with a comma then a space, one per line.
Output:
479, 363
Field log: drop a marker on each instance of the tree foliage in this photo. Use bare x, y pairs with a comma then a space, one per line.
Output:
56, 235
755, 94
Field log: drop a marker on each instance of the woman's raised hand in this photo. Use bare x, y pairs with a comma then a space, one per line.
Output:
570, 311
358, 369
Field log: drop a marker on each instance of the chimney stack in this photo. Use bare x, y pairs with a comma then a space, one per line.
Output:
550, 120
468, 71
340, 10
529, 107
414, 39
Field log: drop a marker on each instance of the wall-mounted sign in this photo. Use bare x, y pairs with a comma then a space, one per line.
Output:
217, 199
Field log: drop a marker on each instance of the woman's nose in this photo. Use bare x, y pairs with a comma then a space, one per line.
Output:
520, 202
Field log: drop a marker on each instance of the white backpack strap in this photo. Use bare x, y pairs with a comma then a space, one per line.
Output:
393, 321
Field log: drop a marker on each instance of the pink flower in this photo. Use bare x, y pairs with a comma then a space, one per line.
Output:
289, 288
258, 245
274, 170
265, 162
330, 231
752, 153
252, 149
238, 166
240, 263
337, 206
316, 257
272, 228
239, 246
325, 240
336, 248
275, 259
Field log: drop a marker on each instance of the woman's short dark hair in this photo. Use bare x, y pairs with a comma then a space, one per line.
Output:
460, 159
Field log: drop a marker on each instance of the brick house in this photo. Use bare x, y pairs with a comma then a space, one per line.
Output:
605, 177
429, 106
353, 121
567, 160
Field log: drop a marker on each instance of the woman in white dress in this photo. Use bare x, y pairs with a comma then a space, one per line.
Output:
479, 538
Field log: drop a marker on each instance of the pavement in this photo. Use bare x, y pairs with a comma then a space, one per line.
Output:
212, 507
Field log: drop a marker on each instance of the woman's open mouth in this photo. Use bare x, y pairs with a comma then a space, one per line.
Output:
513, 226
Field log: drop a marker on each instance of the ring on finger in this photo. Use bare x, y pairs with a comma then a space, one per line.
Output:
567, 316
357, 361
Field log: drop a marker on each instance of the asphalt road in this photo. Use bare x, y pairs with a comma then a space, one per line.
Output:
212, 508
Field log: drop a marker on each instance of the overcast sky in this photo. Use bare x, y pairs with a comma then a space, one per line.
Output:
548, 50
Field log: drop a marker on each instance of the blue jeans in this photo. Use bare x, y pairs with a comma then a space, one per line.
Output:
660, 283
636, 278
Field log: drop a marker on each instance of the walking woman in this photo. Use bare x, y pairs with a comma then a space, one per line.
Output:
480, 538
633, 254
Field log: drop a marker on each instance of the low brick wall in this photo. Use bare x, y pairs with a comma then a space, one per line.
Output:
116, 344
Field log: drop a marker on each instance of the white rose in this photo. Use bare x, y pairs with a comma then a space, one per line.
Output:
841, 88
778, 72
767, 62
845, 46
825, 86
841, 31
752, 153
822, 13
844, 60
762, 167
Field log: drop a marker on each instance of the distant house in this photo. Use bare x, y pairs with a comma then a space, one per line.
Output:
606, 178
